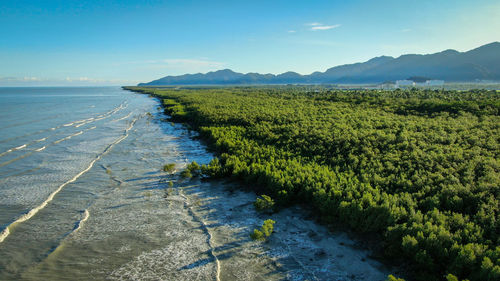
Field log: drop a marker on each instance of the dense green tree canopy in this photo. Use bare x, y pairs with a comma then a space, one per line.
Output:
420, 166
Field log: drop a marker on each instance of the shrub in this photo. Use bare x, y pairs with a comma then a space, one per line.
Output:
186, 174
393, 278
213, 169
257, 235
169, 167
194, 168
265, 231
264, 203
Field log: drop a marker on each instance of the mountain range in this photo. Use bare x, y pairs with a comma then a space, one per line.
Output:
482, 63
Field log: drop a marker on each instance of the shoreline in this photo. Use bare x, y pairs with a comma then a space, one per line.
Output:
404, 165
351, 242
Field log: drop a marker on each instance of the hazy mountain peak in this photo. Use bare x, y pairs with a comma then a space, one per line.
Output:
381, 59
482, 63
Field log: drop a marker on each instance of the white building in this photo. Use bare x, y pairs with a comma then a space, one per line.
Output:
404, 83
434, 83
407, 83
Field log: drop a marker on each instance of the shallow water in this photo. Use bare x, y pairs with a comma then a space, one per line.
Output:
83, 197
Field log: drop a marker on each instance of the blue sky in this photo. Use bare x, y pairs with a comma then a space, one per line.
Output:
68, 42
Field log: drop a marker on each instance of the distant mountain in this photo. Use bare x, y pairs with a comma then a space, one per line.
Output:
482, 63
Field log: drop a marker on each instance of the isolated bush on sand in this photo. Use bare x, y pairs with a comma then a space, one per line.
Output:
264, 232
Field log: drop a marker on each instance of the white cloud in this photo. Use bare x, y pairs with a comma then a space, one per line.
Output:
324, 27
31, 79
405, 30
291, 31
313, 24
81, 79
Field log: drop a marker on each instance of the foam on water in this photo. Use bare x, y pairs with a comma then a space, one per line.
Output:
19, 147
124, 117
35, 210
76, 124
40, 149
207, 231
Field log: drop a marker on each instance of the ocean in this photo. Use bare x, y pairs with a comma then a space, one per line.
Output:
80, 171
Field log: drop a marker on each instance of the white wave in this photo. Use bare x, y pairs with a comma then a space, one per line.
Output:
80, 121
15, 159
4, 234
86, 216
40, 149
60, 140
68, 137
85, 123
69, 124
207, 231
35, 210
20, 147
76, 134
124, 117
6, 152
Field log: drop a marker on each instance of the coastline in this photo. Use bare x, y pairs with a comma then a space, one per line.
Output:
381, 163
328, 245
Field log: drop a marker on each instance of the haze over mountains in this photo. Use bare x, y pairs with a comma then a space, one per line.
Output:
482, 63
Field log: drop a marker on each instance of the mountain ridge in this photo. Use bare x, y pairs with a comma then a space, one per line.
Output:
481, 63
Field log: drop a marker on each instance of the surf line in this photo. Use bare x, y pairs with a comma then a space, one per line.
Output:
42, 148
86, 216
206, 230
122, 117
78, 226
22, 146
35, 210
79, 123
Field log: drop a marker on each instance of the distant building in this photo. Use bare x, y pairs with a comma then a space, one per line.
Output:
387, 85
434, 82
400, 83
428, 83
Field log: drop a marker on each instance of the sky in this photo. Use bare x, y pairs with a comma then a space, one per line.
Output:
78, 43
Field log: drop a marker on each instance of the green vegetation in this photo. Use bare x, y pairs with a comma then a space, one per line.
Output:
265, 203
393, 278
213, 169
421, 167
265, 231
169, 167
192, 170
186, 174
